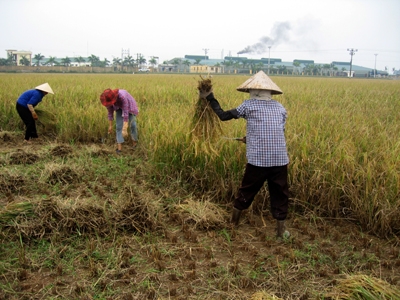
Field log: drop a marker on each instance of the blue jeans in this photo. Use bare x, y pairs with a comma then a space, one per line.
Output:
120, 123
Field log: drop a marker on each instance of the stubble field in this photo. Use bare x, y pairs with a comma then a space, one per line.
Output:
79, 222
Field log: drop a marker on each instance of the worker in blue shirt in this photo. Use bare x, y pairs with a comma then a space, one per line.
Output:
266, 152
25, 108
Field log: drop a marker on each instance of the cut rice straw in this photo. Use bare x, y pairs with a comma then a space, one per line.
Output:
206, 124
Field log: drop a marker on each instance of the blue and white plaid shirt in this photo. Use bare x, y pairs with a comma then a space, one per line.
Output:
265, 137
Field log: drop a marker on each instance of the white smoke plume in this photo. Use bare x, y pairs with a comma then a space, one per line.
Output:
280, 33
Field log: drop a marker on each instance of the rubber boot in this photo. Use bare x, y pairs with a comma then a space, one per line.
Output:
281, 229
236, 216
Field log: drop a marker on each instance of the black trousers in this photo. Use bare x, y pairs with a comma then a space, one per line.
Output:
29, 121
254, 179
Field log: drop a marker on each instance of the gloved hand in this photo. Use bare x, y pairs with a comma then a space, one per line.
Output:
211, 97
35, 116
204, 94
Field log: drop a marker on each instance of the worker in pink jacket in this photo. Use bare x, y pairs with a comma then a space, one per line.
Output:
126, 110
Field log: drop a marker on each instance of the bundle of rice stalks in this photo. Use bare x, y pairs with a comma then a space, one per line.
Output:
83, 216
20, 157
137, 212
357, 287
206, 126
13, 210
62, 150
47, 122
55, 216
202, 214
11, 183
8, 136
263, 295
60, 173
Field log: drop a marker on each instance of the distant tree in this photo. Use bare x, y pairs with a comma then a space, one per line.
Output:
94, 60
308, 69
177, 62
281, 69
129, 61
319, 69
197, 61
296, 66
153, 62
79, 60
326, 68
259, 66
105, 62
236, 64
141, 60
311, 69
186, 63
332, 69
66, 61
7, 61
51, 61
117, 61
24, 61
228, 64
252, 67
38, 58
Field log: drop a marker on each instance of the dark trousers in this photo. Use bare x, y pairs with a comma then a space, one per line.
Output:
254, 179
29, 121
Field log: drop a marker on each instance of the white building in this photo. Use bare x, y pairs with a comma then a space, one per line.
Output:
17, 55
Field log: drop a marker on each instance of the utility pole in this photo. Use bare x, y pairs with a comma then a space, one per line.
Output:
139, 59
205, 53
352, 52
122, 54
376, 54
269, 56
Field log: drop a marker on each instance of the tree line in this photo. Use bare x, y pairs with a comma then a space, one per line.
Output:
95, 61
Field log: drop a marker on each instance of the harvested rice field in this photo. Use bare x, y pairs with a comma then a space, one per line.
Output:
79, 221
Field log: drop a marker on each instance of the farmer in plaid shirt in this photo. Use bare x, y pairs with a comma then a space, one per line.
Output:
267, 157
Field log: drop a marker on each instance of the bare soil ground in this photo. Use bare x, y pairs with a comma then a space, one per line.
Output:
87, 236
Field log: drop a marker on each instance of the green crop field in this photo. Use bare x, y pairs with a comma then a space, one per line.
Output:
343, 142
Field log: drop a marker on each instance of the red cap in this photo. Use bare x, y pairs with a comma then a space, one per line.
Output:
109, 97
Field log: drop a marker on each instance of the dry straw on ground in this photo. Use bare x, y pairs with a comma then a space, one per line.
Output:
36, 219
206, 124
364, 287
203, 215
263, 295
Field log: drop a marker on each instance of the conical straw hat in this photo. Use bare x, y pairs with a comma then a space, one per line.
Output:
260, 81
45, 87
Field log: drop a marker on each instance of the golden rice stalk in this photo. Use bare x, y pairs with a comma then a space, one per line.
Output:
47, 120
206, 126
201, 214
263, 295
364, 287
13, 210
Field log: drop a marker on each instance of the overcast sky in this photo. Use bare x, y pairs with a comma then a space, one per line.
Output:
319, 30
